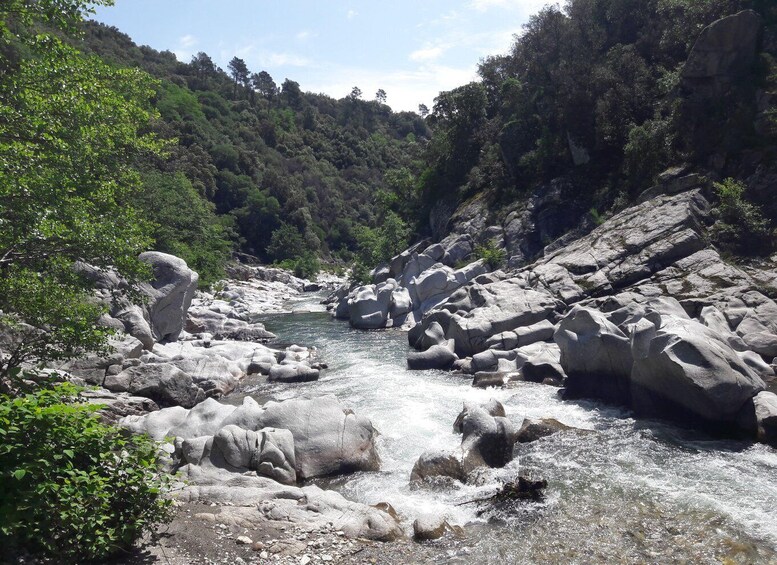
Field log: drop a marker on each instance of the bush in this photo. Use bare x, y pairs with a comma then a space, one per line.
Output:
70, 486
491, 254
306, 266
741, 227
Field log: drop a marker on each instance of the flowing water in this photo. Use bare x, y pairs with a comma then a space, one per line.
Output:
619, 491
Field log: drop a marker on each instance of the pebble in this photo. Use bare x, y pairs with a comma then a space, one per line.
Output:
304, 560
264, 555
244, 540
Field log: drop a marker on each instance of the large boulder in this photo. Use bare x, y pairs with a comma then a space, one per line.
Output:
482, 311
689, 373
328, 439
759, 417
725, 49
369, 305
170, 294
487, 440
596, 356
164, 383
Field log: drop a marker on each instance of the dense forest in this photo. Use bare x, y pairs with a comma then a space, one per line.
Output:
251, 159
593, 93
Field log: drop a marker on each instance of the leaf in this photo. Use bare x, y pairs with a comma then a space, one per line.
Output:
19, 474
69, 453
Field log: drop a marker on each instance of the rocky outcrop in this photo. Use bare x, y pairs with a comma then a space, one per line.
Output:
328, 439
725, 50
649, 355
644, 313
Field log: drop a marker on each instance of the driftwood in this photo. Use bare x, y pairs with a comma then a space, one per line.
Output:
522, 489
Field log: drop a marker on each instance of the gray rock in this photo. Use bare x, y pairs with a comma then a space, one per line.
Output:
205, 419
369, 305
401, 303
689, 375
170, 294
482, 311
766, 417
544, 365
533, 430
269, 452
725, 49
493, 407
430, 527
164, 383
487, 440
328, 439
252, 501
293, 373
492, 379
436, 357
595, 355
438, 464
136, 325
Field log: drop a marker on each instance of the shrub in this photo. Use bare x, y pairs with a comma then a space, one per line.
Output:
741, 226
71, 486
307, 266
491, 254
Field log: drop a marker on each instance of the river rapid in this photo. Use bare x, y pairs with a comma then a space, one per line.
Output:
619, 491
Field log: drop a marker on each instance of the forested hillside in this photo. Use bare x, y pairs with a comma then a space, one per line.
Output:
254, 158
594, 100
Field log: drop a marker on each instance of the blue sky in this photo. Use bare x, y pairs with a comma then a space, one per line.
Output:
411, 49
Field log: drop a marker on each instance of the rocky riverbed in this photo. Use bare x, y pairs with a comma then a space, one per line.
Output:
276, 442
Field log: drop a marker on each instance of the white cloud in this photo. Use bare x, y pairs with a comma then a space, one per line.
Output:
526, 7
405, 89
188, 41
351, 14
427, 53
305, 35
284, 60
185, 49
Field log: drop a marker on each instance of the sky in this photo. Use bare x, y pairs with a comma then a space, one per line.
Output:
411, 49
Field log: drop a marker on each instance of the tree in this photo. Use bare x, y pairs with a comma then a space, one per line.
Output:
70, 132
380, 96
356, 93
287, 242
203, 65
423, 109
291, 93
264, 84
239, 71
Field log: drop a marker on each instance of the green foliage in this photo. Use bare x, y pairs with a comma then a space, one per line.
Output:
307, 266
266, 155
196, 235
378, 245
599, 76
71, 487
71, 130
596, 216
741, 227
286, 243
493, 256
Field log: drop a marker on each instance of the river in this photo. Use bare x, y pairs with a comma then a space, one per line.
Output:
619, 491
